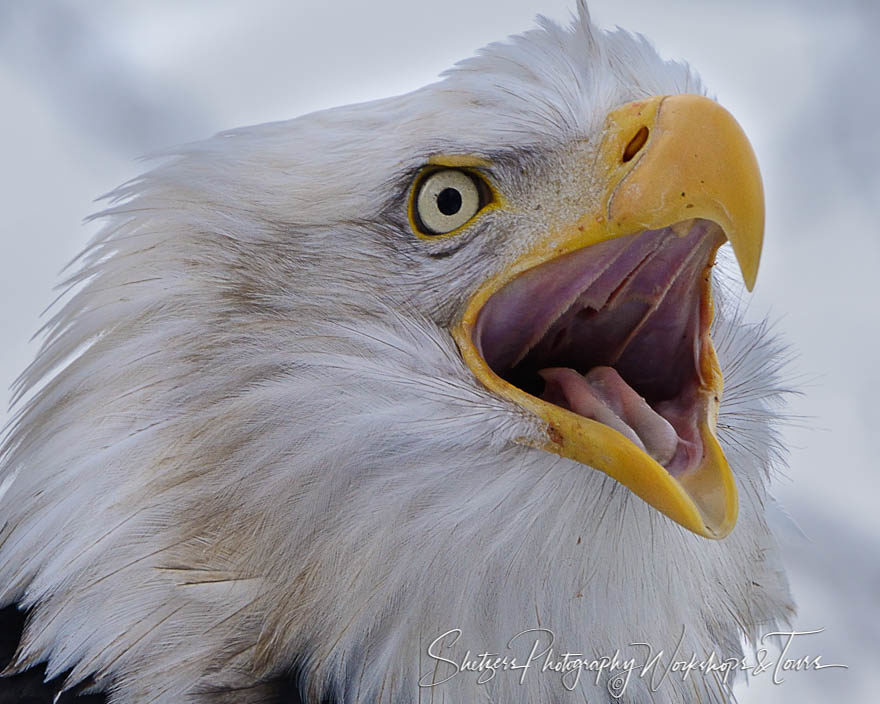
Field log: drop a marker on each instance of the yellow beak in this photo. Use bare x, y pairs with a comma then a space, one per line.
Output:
665, 160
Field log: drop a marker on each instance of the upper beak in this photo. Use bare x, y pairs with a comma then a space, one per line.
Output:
663, 161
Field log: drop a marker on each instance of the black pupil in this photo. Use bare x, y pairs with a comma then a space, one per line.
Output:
449, 201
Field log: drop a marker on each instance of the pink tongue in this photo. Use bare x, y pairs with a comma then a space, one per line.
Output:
602, 395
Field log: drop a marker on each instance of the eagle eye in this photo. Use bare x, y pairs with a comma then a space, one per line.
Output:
444, 200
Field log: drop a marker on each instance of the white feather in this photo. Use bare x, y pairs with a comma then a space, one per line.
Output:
249, 443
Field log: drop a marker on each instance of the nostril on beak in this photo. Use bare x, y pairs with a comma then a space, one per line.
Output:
635, 144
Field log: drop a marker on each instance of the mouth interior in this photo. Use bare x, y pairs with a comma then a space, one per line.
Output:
615, 333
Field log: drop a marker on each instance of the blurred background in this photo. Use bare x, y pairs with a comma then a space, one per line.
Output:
89, 87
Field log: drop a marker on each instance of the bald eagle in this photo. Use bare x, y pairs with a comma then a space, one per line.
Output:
366, 394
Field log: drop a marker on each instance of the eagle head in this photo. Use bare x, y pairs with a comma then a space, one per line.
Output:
347, 395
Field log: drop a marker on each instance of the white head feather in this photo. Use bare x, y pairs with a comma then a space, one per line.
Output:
251, 445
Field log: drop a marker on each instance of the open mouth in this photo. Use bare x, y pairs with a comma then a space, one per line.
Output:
617, 333
599, 328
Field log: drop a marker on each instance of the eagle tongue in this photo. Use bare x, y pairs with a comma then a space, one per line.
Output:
602, 395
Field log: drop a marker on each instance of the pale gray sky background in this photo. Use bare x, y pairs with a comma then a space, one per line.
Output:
88, 87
